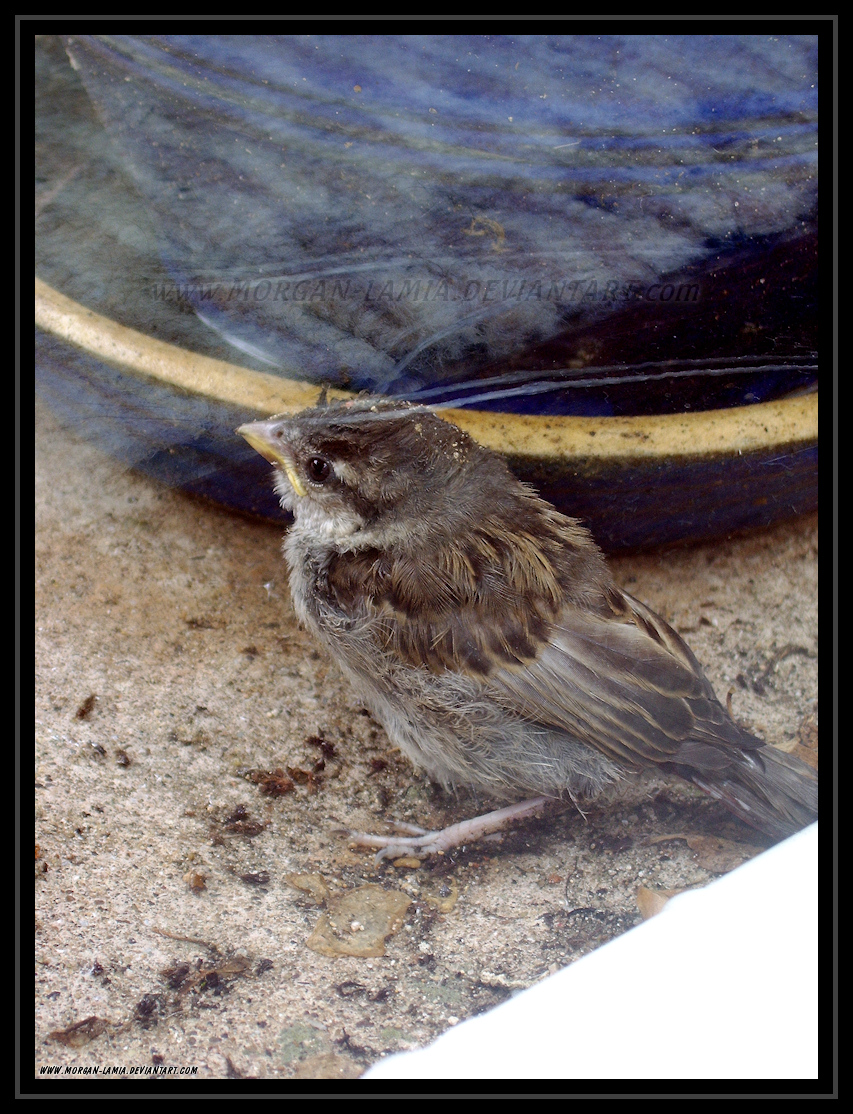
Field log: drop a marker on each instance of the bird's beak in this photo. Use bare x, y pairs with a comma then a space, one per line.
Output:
260, 436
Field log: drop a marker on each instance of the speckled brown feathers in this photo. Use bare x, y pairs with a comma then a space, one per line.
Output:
472, 602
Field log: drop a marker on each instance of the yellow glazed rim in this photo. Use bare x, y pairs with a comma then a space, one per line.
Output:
743, 429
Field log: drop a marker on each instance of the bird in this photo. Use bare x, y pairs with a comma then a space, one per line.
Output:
483, 629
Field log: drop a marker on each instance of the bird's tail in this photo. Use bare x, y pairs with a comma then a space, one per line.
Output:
771, 790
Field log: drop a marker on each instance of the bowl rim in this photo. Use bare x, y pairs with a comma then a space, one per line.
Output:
695, 434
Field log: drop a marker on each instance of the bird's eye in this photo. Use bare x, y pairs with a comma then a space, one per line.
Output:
318, 469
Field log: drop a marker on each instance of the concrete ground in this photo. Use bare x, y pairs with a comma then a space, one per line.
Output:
195, 755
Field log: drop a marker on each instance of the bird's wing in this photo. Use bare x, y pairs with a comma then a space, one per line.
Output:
471, 607
627, 684
611, 674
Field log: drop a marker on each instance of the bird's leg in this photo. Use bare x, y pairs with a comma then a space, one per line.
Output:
423, 843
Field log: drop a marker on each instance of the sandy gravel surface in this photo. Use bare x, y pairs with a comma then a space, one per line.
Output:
195, 756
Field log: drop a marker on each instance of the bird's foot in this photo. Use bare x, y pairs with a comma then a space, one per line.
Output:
421, 843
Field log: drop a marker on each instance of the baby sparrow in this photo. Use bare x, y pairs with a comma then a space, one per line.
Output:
482, 628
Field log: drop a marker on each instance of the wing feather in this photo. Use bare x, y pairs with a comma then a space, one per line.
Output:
602, 668
637, 696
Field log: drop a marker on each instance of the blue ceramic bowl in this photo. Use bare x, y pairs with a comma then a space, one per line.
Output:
598, 251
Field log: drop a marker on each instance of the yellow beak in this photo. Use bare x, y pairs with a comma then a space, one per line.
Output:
260, 437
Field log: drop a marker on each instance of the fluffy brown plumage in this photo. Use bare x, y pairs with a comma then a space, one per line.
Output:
483, 629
